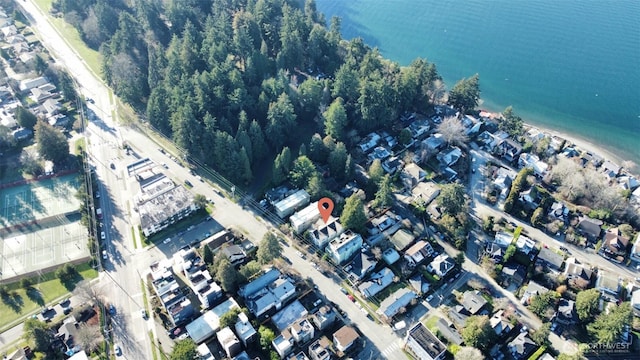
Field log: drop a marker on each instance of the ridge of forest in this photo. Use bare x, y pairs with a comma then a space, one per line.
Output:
230, 81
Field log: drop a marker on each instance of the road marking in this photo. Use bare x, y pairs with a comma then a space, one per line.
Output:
391, 349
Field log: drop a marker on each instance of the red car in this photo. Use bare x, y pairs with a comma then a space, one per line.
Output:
351, 298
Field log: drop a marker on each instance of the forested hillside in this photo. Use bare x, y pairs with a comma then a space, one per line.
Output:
230, 80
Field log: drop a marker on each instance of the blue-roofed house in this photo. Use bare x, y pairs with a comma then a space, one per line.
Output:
393, 304
265, 279
376, 283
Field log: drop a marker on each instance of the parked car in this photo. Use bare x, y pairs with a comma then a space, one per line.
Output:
103, 235
143, 312
117, 350
104, 254
188, 183
112, 166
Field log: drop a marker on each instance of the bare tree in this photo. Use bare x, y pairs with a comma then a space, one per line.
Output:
453, 131
88, 292
88, 337
468, 353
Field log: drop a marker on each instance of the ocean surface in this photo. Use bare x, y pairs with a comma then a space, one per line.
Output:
568, 65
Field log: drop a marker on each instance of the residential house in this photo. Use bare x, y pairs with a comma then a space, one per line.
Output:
503, 239
390, 256
577, 274
289, 315
344, 247
450, 333
283, 343
533, 161
9, 30
635, 250
303, 219
395, 303
234, 254
590, 228
324, 317
635, 302
377, 282
459, 315
418, 252
39, 95
495, 252
522, 346
473, 302
245, 330
530, 198
448, 174
412, 174
566, 314
388, 140
502, 182
422, 344
392, 164
608, 285
550, 259
425, 192
345, 338
449, 157
229, 342
525, 245
171, 295
614, 245
509, 149
500, 324
610, 170
434, 143
325, 233
379, 153
419, 284
559, 211
68, 332
419, 129
302, 331
513, 275
362, 264
320, 349
625, 182
369, 142
533, 289
441, 265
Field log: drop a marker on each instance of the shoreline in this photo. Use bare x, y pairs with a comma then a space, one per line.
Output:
580, 142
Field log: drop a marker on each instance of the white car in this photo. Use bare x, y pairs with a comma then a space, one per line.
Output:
104, 254
430, 297
103, 235
166, 241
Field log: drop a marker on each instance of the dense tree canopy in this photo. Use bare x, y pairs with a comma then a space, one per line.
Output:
478, 332
51, 142
452, 198
587, 304
230, 81
184, 350
268, 249
608, 326
511, 123
465, 94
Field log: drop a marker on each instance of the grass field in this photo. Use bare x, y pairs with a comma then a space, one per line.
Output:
90, 56
51, 290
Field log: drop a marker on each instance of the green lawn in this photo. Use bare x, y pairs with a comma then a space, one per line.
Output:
90, 56
50, 289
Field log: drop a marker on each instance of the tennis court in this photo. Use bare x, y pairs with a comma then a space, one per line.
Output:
22, 253
28, 244
35, 201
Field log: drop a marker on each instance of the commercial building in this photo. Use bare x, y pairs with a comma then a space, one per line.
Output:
303, 219
291, 203
423, 345
162, 203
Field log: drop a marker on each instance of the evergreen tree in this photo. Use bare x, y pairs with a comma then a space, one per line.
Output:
268, 249
338, 160
353, 216
301, 172
335, 119
384, 195
51, 143
281, 166
465, 94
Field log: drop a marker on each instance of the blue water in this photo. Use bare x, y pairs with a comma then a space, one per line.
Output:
568, 65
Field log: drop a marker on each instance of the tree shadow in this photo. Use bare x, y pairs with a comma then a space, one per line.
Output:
70, 281
14, 301
35, 295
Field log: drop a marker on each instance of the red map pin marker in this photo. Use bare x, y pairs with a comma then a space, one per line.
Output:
325, 206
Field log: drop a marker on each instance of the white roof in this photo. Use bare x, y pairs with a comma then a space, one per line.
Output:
206, 325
